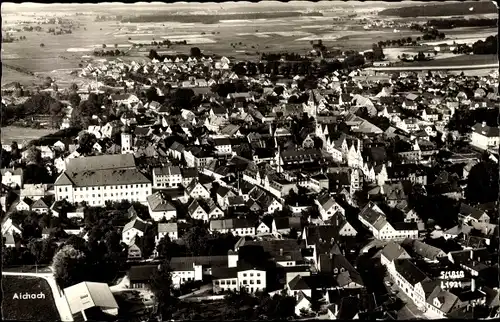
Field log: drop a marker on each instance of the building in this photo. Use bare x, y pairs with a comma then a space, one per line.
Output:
160, 208
485, 137
167, 229
98, 179
243, 276
87, 295
135, 227
167, 177
328, 207
12, 177
236, 226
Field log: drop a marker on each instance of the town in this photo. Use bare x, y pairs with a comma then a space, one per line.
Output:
205, 187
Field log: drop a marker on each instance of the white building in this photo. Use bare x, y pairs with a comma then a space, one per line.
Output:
167, 177
236, 278
167, 229
160, 208
12, 177
236, 226
485, 137
127, 143
98, 179
87, 295
136, 227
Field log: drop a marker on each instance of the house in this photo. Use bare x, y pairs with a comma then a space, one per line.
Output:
283, 225
328, 207
197, 191
167, 229
24, 204
302, 304
9, 227
135, 249
197, 212
223, 194
424, 250
185, 271
390, 253
12, 177
139, 277
485, 137
135, 227
223, 146
236, 226
188, 175
470, 214
243, 276
160, 208
167, 177
264, 227
33, 191
102, 178
85, 296
375, 220
40, 206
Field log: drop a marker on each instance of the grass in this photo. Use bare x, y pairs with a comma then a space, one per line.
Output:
19, 134
31, 309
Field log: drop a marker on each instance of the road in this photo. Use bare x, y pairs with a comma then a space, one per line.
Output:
422, 68
59, 298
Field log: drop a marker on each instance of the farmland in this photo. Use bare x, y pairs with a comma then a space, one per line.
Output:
38, 309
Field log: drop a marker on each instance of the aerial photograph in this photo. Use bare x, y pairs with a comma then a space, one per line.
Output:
250, 161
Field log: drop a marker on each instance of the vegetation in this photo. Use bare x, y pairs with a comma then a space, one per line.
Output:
211, 19
458, 23
449, 9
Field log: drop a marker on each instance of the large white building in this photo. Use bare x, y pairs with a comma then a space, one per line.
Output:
98, 179
485, 137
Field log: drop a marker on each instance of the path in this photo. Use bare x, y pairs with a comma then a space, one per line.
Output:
202, 289
59, 298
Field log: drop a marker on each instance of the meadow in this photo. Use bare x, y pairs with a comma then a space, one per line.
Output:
9, 134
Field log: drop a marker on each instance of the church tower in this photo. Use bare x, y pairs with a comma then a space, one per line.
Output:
126, 141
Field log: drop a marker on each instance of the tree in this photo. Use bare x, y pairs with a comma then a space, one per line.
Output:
33, 155
482, 183
195, 52
42, 45
197, 239
161, 286
86, 142
69, 266
167, 248
42, 250
74, 99
103, 46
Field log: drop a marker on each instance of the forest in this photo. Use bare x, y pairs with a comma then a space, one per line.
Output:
448, 9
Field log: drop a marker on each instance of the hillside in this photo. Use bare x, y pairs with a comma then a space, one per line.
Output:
448, 9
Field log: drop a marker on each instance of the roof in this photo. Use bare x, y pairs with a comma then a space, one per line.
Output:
424, 250
488, 131
141, 273
101, 162
234, 223
86, 178
224, 272
97, 295
394, 251
473, 212
288, 222
136, 223
167, 227
157, 202
410, 271
40, 203
165, 171
317, 234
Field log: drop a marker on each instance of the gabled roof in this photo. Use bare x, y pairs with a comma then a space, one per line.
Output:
157, 202
167, 227
136, 223
410, 271
393, 251
40, 203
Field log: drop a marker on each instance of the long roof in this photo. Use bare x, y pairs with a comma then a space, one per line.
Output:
101, 162
106, 177
99, 295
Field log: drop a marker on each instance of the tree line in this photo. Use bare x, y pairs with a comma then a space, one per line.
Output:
459, 23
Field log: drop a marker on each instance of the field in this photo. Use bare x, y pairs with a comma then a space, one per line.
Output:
9, 134
41, 309
459, 61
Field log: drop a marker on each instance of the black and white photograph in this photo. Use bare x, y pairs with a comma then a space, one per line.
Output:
249, 161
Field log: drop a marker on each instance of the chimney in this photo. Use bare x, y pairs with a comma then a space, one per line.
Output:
473, 285
484, 123
281, 251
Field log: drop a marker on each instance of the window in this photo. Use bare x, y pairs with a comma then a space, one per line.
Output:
233, 282
244, 274
258, 281
222, 282
251, 281
258, 274
93, 195
244, 281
